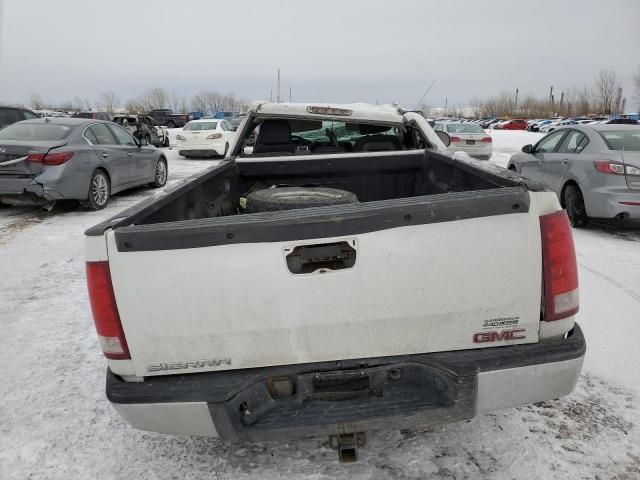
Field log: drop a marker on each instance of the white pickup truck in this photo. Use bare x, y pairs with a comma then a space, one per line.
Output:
336, 273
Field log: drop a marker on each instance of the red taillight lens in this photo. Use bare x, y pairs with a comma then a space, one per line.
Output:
609, 167
105, 311
454, 139
57, 158
559, 266
487, 140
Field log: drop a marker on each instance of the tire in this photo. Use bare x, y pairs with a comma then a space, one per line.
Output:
288, 198
171, 124
226, 149
166, 141
162, 172
574, 204
99, 191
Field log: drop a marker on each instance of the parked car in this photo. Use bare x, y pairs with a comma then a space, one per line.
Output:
45, 160
513, 124
594, 169
9, 115
236, 121
486, 122
93, 115
621, 121
225, 115
344, 219
497, 123
535, 127
195, 115
467, 137
205, 138
550, 127
150, 133
166, 117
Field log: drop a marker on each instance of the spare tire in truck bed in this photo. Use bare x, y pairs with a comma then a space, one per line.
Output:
288, 198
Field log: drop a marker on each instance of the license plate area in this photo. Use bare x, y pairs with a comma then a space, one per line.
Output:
402, 394
471, 142
338, 386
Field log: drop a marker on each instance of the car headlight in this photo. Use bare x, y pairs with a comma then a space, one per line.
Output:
180, 137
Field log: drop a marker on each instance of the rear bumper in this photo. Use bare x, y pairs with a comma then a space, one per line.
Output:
198, 151
333, 398
609, 202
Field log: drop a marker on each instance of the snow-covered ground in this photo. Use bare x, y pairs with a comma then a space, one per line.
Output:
55, 422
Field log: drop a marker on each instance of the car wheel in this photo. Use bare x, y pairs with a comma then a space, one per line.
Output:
99, 191
171, 124
574, 204
160, 179
166, 141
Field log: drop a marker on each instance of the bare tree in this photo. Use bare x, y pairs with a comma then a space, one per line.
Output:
606, 86
109, 101
135, 106
159, 98
36, 102
78, 103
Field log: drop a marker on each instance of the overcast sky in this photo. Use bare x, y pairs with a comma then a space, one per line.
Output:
333, 50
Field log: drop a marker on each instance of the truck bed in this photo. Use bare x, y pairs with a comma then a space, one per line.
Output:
437, 248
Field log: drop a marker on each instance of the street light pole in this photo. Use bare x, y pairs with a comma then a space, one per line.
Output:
516, 107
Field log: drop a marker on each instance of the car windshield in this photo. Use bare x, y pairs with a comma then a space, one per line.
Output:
35, 132
625, 140
197, 126
464, 128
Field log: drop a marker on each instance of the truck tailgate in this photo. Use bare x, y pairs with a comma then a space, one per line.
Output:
419, 288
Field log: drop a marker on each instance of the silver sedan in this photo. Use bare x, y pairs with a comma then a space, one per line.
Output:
594, 170
51, 159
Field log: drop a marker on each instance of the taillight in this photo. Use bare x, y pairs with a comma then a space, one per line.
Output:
213, 136
609, 167
487, 140
454, 139
105, 311
559, 266
57, 158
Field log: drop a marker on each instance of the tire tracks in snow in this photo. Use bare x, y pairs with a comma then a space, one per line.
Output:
613, 282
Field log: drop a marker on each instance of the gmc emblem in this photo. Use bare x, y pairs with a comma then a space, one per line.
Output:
501, 336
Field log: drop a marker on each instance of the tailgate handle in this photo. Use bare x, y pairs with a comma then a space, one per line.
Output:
321, 257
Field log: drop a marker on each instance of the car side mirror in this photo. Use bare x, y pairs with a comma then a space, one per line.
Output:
527, 148
444, 136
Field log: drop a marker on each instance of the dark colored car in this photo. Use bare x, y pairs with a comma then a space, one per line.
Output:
9, 115
93, 115
622, 121
45, 160
166, 117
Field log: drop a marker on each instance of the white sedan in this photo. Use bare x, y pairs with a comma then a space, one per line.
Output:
205, 138
467, 137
